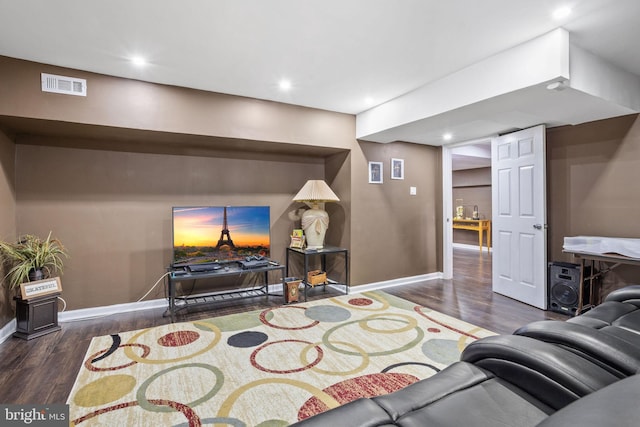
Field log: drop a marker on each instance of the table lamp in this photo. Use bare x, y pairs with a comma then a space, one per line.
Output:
315, 221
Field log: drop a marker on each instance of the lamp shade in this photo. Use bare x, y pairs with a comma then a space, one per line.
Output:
316, 190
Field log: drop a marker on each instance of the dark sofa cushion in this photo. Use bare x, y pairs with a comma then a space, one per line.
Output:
612, 348
489, 404
616, 405
463, 395
609, 313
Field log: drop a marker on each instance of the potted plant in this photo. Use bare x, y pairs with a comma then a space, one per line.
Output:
32, 259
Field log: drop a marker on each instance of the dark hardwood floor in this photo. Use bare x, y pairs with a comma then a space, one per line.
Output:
43, 370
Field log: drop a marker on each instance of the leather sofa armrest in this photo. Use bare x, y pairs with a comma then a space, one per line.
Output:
551, 374
629, 294
609, 351
616, 405
452, 379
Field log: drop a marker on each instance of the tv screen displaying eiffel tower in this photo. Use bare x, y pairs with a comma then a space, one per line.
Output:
219, 233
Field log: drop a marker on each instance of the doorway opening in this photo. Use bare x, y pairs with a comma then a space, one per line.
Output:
467, 208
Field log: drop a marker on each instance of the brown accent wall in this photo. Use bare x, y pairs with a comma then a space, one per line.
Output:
473, 186
102, 173
7, 214
593, 170
394, 231
112, 209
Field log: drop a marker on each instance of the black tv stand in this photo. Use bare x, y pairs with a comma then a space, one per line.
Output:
182, 302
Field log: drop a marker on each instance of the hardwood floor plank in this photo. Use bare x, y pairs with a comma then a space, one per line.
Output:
43, 370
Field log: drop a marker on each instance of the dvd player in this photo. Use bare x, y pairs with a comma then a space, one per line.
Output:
204, 267
254, 263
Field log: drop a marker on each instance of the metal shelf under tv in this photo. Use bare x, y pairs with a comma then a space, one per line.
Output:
181, 302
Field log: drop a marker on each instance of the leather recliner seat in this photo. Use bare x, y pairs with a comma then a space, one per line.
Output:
504, 380
608, 334
621, 308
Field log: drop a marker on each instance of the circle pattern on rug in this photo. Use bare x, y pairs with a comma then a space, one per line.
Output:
344, 367
273, 423
90, 363
284, 360
178, 338
327, 313
372, 324
269, 321
441, 351
104, 390
236, 322
214, 336
247, 339
360, 302
190, 369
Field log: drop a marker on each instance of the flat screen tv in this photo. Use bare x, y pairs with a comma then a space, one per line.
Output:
204, 234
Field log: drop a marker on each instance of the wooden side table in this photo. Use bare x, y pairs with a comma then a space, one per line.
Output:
479, 225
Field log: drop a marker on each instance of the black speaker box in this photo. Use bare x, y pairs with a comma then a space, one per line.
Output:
564, 287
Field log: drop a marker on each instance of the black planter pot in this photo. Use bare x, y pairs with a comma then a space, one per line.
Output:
36, 274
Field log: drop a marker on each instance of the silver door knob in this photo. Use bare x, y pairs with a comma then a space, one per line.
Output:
537, 226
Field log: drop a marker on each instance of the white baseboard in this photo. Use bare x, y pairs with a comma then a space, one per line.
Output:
395, 282
470, 247
94, 312
88, 313
7, 330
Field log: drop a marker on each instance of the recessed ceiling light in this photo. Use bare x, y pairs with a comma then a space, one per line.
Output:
561, 12
368, 101
284, 84
138, 61
447, 136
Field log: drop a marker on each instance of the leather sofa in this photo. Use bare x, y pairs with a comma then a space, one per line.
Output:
608, 334
550, 373
621, 308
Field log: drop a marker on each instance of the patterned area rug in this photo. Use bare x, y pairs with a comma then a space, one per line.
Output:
264, 368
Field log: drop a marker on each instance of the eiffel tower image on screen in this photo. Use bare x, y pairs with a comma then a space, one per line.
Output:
225, 237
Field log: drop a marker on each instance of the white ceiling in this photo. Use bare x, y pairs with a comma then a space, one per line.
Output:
472, 155
336, 53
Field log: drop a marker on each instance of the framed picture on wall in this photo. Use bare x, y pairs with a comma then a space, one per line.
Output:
397, 168
375, 172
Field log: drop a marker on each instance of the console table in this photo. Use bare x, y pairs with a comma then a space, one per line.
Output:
612, 260
308, 254
479, 225
177, 303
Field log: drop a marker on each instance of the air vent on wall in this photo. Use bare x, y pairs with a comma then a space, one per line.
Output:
62, 84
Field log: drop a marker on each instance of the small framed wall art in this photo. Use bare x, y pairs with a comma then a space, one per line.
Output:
375, 172
397, 168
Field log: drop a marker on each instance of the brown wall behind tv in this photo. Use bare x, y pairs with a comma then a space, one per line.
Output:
102, 172
113, 209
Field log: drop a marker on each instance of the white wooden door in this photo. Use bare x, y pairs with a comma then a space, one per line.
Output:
519, 216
